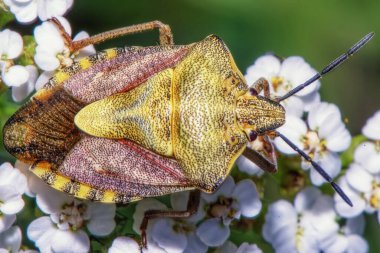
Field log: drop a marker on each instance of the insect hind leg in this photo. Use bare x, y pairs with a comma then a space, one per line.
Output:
165, 34
192, 208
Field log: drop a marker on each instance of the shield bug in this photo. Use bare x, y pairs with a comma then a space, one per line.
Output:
136, 122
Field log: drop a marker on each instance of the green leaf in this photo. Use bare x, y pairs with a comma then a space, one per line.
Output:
27, 56
5, 15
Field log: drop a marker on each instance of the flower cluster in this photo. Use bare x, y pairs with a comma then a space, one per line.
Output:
312, 222
51, 51
362, 179
12, 187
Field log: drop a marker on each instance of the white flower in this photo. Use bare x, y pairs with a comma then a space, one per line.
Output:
124, 244
12, 186
26, 11
372, 127
305, 227
322, 138
20, 78
367, 154
12, 176
63, 230
230, 247
349, 239
51, 51
19, 93
10, 203
11, 45
283, 77
363, 188
170, 235
10, 241
229, 202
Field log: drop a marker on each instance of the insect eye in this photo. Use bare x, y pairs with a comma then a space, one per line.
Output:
253, 91
252, 136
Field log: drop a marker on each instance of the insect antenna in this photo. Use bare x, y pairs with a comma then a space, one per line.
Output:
318, 168
332, 65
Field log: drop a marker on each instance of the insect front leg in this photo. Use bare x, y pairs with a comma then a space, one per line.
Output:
259, 85
166, 35
265, 158
192, 208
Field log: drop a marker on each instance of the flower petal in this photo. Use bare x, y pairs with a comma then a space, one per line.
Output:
342, 208
41, 231
355, 225
321, 114
245, 165
212, 232
293, 129
163, 234
21, 92
15, 76
265, 66
43, 79
310, 100
124, 244
357, 244
339, 140
70, 242
51, 201
331, 164
359, 178
248, 248
101, 220
371, 128
297, 71
11, 44
294, 106
25, 13
46, 60
306, 198
11, 239
225, 189
246, 195
194, 244
6, 221
52, 8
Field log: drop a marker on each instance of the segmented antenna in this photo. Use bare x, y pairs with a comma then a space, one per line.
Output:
332, 65
318, 168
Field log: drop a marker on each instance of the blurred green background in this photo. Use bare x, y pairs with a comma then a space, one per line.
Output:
317, 30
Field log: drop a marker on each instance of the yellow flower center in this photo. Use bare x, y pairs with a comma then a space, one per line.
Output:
374, 200
313, 144
277, 81
73, 215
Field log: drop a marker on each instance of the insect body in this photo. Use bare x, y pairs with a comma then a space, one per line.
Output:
137, 122
88, 131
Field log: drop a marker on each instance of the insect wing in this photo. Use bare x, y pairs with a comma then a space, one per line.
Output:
114, 171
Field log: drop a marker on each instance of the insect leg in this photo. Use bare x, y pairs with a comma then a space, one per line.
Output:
166, 36
266, 159
262, 84
192, 207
